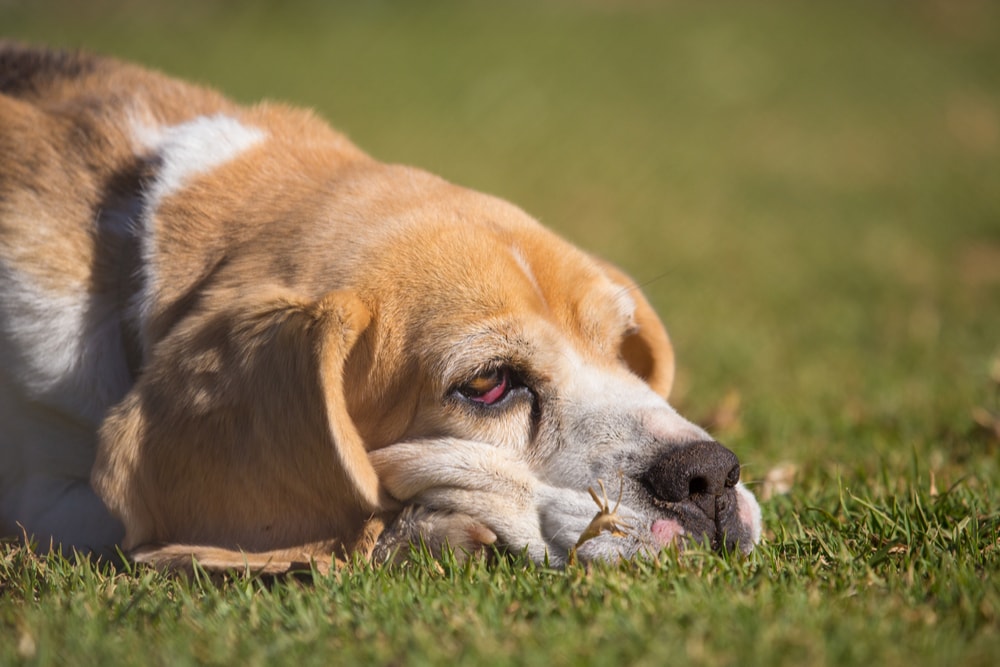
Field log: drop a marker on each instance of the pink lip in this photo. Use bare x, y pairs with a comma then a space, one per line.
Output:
666, 531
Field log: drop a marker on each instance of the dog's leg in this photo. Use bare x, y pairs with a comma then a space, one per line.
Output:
475, 479
435, 530
182, 558
320, 556
414, 525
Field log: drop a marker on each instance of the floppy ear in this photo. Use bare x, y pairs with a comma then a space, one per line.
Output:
237, 435
647, 351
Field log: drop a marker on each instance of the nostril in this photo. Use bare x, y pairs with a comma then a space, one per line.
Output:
693, 470
733, 478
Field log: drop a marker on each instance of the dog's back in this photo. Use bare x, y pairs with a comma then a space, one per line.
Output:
69, 184
50, 307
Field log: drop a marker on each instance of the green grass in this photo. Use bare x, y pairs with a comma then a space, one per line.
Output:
811, 194
873, 578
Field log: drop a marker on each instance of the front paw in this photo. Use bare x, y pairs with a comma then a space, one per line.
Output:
436, 530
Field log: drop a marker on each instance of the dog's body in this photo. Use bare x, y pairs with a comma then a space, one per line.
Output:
228, 332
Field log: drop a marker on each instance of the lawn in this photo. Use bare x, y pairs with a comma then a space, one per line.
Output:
809, 193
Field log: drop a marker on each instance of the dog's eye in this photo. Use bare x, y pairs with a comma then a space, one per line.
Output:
489, 388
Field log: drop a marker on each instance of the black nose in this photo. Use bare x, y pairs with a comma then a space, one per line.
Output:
696, 471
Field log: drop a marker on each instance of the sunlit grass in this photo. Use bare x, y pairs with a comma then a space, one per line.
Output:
807, 191
849, 575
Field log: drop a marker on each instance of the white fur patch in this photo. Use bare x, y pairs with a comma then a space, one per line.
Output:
184, 151
192, 148
64, 348
611, 391
750, 513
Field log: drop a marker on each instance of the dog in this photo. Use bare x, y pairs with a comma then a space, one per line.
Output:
228, 334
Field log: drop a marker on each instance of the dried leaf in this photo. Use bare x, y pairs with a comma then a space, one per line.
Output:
778, 480
995, 370
26, 647
726, 415
987, 420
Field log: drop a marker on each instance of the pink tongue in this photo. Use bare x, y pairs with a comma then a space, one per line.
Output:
666, 531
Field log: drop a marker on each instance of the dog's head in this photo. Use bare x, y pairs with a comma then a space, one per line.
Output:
520, 374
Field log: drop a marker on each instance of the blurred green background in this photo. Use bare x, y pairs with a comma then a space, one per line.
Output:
808, 191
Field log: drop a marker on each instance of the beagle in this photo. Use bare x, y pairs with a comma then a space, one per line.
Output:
227, 333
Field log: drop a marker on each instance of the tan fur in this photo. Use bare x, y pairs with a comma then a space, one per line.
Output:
271, 311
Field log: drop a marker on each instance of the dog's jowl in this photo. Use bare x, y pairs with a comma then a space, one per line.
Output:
228, 333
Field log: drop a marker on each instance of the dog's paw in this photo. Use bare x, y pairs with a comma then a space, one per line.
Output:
435, 530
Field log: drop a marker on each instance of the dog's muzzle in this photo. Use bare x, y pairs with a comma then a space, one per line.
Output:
696, 484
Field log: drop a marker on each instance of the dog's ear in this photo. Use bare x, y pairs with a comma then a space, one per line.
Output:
237, 435
647, 350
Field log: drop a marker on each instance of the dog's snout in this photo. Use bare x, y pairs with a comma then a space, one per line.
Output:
693, 471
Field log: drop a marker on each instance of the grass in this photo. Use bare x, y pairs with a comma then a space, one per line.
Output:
809, 193
847, 579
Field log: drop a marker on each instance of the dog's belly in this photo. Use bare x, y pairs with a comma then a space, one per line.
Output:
62, 365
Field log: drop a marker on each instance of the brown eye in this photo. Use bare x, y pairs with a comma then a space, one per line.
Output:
489, 388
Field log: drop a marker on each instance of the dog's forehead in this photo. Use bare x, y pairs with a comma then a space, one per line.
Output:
484, 269
563, 276
455, 246
544, 318
441, 261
